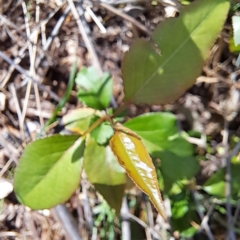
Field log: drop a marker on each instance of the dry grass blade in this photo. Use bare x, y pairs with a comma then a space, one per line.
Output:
77, 13
17, 106
96, 20
10, 234
17, 60
68, 222
204, 219
84, 30
144, 225
35, 32
126, 17
26, 75
32, 53
36, 55
126, 230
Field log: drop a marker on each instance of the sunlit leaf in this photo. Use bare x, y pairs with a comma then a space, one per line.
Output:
78, 120
160, 74
160, 135
95, 91
133, 156
49, 171
216, 184
155, 129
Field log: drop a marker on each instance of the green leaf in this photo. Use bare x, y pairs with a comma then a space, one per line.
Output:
154, 129
183, 214
160, 135
179, 208
167, 123
102, 133
49, 171
216, 184
236, 29
157, 76
159, 132
112, 194
179, 145
174, 168
78, 120
101, 166
232, 47
95, 91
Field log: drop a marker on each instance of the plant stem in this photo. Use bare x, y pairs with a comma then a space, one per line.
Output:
95, 124
120, 109
106, 117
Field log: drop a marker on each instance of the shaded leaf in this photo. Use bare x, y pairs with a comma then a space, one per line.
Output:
133, 156
78, 120
49, 171
157, 76
101, 166
95, 91
183, 214
174, 168
112, 194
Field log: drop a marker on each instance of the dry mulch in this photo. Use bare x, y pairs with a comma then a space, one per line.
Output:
25, 105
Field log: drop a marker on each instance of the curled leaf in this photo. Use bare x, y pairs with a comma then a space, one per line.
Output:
133, 156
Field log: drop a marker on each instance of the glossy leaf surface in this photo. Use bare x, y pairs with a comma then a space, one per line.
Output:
133, 156
49, 171
95, 91
154, 129
160, 135
157, 76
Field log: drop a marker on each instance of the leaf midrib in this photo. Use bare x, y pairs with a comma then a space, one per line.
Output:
135, 168
168, 59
